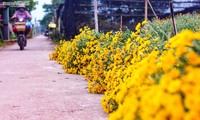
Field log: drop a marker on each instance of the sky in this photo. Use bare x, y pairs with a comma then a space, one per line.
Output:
39, 12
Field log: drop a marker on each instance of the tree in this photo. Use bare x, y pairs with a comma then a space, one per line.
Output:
48, 9
72, 21
69, 19
30, 7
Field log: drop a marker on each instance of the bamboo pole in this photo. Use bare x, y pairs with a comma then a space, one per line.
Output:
173, 19
96, 16
146, 10
152, 9
121, 23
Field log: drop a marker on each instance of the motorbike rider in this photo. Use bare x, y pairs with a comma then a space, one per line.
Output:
21, 12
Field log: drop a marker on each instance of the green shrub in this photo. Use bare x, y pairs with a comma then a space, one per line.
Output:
163, 29
1, 43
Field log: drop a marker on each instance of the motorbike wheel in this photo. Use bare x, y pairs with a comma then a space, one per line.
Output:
21, 45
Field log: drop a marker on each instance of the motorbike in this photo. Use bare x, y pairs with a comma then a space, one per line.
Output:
21, 33
46, 33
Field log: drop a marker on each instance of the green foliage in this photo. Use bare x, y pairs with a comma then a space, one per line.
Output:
48, 9
163, 29
12, 36
56, 36
30, 8
57, 2
1, 43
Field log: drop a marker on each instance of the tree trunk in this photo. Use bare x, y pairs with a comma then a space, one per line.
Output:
69, 19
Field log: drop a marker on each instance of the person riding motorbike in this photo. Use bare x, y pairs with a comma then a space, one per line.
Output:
21, 12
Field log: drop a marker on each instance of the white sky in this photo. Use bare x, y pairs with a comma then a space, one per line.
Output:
39, 12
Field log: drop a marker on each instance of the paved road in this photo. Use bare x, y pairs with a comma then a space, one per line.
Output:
34, 88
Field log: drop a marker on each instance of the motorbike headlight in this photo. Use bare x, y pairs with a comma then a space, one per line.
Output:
20, 19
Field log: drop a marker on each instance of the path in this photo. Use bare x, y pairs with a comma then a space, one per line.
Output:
34, 88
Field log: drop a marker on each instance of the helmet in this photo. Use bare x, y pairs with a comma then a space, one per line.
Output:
21, 6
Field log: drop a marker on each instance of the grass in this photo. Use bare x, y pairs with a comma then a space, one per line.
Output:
163, 29
1, 44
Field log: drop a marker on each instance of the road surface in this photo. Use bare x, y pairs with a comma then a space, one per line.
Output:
34, 88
